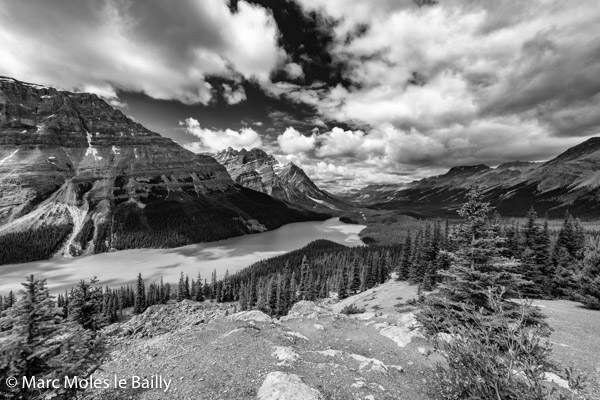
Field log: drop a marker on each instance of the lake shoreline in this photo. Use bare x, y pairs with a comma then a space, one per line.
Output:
121, 267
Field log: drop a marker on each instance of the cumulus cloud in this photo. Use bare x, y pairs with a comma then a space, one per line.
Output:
294, 70
107, 93
121, 44
293, 142
233, 96
497, 82
215, 140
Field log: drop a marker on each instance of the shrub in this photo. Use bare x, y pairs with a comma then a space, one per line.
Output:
352, 309
493, 356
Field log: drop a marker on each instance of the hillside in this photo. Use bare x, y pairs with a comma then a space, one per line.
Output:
569, 182
78, 177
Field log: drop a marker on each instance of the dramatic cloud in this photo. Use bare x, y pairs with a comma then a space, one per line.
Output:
294, 70
212, 141
293, 142
458, 83
233, 96
162, 49
396, 91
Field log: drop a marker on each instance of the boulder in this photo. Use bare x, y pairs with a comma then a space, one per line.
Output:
252, 315
282, 386
306, 309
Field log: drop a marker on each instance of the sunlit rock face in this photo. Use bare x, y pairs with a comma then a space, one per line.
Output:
257, 170
71, 158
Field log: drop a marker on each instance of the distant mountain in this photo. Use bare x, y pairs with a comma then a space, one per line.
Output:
570, 182
77, 177
257, 170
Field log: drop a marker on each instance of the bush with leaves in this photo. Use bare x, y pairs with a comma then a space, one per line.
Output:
494, 356
36, 342
352, 309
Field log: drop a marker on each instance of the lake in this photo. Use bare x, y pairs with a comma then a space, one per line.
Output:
122, 267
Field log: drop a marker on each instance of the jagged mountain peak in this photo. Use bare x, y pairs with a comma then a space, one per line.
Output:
259, 170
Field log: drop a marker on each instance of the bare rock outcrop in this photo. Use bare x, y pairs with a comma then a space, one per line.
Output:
282, 386
306, 309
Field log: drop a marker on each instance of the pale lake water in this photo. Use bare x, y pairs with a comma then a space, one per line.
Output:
122, 267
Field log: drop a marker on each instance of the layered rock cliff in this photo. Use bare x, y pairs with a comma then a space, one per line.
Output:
255, 169
70, 160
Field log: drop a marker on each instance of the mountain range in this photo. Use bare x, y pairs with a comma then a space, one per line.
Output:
569, 182
78, 176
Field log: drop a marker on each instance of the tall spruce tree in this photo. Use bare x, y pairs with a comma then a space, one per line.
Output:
355, 282
477, 264
139, 303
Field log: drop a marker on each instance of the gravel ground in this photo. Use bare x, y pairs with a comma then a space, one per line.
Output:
576, 339
208, 355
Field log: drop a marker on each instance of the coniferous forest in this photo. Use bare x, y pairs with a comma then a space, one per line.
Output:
475, 269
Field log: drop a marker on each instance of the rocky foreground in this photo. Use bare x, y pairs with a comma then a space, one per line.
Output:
209, 351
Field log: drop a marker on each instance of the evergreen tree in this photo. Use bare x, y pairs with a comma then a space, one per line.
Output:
34, 342
477, 263
588, 279
85, 305
355, 283
139, 304
199, 293
342, 287
404, 267
273, 295
304, 282
213, 286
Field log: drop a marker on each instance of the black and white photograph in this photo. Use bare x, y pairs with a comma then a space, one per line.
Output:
299, 200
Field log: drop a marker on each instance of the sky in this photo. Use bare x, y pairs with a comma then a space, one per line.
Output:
355, 92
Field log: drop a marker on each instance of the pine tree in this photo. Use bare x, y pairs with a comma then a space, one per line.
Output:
139, 304
85, 305
404, 266
588, 280
33, 342
199, 293
186, 288
226, 289
273, 295
477, 263
302, 287
213, 286
342, 287
355, 282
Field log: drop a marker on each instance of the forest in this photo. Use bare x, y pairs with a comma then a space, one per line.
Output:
469, 274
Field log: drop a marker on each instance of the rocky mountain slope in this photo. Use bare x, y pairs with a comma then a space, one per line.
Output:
79, 176
257, 170
569, 182
210, 351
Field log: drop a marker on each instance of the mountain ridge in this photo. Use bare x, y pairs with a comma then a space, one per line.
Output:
570, 182
71, 163
258, 170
